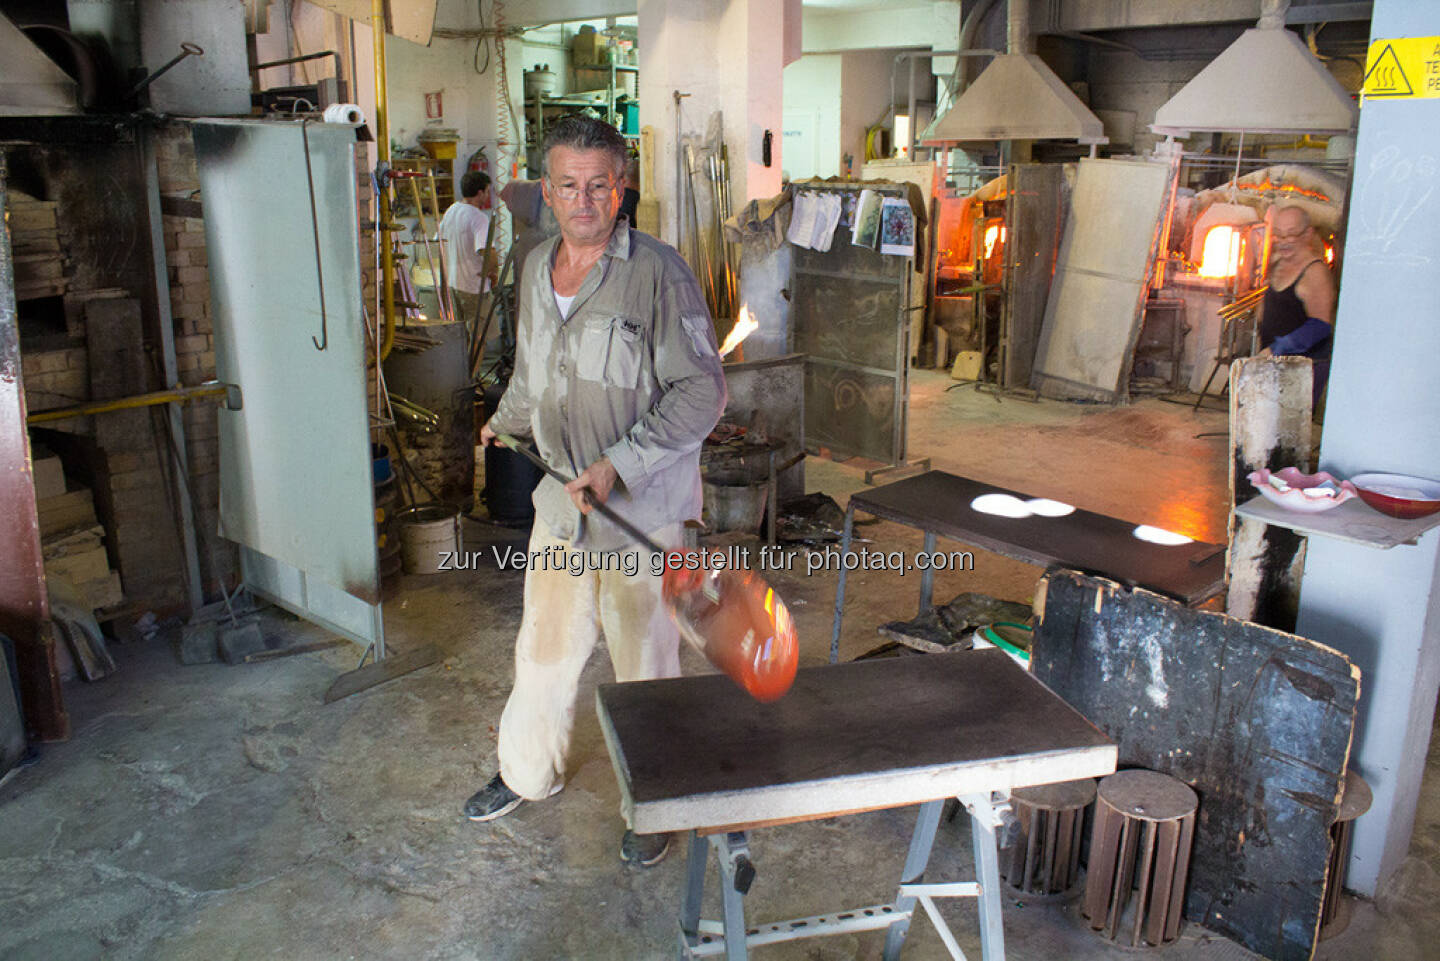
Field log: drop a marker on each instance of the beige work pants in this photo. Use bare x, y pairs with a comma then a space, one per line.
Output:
563, 617
470, 309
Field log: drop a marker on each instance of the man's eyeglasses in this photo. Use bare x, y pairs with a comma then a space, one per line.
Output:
596, 192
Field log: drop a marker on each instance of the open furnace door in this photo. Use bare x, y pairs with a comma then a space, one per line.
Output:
296, 488
1092, 318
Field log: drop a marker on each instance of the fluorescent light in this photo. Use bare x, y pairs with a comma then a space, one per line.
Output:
901, 134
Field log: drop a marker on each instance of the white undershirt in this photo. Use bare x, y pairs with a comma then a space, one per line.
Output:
564, 303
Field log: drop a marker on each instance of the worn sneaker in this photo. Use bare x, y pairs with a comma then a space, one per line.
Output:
644, 849
492, 801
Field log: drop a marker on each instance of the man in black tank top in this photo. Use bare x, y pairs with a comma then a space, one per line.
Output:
1298, 316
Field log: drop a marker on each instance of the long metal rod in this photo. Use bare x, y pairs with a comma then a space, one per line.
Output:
604, 511
179, 395
382, 199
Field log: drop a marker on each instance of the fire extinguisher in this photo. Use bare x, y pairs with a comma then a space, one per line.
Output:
479, 163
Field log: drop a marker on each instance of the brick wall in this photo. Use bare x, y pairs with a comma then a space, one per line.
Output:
189, 267
56, 378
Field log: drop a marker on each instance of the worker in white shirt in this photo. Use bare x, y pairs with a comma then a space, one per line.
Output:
467, 232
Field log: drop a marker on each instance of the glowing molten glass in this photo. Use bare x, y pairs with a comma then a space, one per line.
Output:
993, 233
736, 620
1222, 253
745, 325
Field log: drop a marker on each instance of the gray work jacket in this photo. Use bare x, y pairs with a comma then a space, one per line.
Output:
632, 374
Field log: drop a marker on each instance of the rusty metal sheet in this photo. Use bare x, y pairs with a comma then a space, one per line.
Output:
24, 608
1035, 218
1257, 721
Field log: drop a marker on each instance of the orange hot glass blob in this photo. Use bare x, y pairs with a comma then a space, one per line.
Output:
736, 621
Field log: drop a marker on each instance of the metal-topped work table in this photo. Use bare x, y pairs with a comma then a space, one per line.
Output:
697, 754
939, 503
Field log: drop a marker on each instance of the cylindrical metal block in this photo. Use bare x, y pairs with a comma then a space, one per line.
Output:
1045, 860
1140, 845
1334, 915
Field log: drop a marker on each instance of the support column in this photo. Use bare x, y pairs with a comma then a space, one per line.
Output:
1382, 608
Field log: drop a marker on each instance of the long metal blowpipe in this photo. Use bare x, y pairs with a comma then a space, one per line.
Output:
730, 615
604, 511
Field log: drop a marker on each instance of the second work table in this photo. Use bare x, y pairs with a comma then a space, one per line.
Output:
942, 504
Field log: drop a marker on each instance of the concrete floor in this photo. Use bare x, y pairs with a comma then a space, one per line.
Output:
213, 812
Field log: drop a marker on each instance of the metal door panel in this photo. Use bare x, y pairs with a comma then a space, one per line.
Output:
1035, 216
1090, 325
296, 485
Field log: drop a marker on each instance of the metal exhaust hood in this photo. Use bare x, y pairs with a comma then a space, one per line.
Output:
31, 84
1265, 82
1017, 97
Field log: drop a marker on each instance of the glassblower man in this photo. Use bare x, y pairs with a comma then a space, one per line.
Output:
618, 380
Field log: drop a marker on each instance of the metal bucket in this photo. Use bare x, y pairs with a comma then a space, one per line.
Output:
734, 507
429, 535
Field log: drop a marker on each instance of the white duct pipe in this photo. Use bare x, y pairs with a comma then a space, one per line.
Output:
1017, 26
967, 37
1272, 14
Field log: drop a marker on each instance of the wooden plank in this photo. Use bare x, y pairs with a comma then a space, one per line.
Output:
28, 243
33, 216
34, 291
698, 752
79, 567
70, 510
378, 672
1257, 721
1269, 428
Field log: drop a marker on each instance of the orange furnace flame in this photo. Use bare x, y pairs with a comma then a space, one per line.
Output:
745, 325
1269, 185
1221, 257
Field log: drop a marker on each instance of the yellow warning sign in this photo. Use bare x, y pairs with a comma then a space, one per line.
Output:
1406, 68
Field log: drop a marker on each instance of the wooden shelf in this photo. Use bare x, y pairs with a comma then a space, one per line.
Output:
444, 171
1353, 521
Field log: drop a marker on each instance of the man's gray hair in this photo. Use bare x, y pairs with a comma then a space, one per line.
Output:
586, 133
1303, 214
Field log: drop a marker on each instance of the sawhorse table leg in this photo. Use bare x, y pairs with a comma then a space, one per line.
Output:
733, 938
985, 817
840, 585
927, 581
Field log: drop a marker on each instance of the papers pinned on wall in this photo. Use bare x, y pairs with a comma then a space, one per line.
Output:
812, 225
897, 227
867, 220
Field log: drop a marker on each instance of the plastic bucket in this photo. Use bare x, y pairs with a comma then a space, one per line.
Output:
429, 536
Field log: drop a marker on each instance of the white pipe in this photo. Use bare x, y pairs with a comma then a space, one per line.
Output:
1272, 14
1017, 26
967, 37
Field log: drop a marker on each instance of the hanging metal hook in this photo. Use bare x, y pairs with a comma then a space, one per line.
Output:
323, 340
